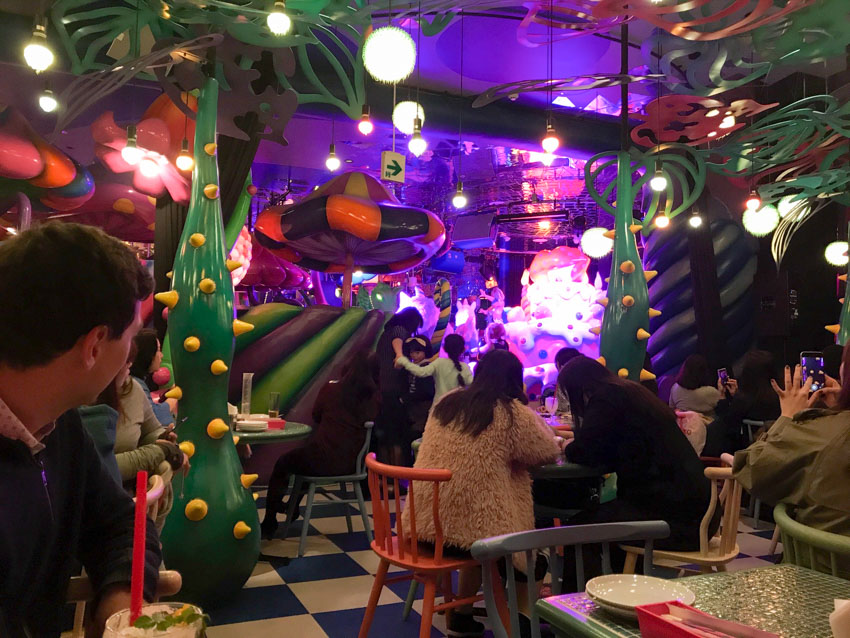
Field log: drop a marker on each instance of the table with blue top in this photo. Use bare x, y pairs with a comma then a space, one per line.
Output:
791, 601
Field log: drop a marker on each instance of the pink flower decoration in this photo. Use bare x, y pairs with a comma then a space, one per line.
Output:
153, 174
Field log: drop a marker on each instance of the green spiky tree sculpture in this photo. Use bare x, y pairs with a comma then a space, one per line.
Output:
625, 323
841, 330
212, 534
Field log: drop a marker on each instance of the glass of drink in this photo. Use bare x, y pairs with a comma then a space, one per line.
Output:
274, 404
247, 383
158, 620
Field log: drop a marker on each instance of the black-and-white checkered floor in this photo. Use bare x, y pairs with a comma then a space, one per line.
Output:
324, 593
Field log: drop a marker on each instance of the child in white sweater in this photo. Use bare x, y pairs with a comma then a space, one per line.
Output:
449, 373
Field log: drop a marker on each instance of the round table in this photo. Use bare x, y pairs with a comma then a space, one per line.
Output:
563, 469
292, 432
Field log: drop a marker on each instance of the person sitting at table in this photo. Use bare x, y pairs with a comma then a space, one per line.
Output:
488, 437
562, 402
694, 390
141, 443
70, 296
340, 410
449, 373
749, 397
803, 458
622, 427
147, 361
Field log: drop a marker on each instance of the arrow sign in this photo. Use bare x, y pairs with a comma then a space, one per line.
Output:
392, 167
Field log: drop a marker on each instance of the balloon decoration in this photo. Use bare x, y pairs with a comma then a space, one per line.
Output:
268, 271
212, 534
627, 312
690, 120
674, 331
702, 19
153, 173
31, 165
351, 223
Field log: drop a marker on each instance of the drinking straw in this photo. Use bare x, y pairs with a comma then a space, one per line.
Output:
137, 578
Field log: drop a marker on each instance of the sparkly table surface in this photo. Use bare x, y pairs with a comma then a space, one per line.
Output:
784, 599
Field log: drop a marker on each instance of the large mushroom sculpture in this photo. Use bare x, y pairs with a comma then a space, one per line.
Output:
351, 223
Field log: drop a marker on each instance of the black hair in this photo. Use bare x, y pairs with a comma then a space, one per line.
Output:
832, 356
498, 379
455, 346
565, 354
758, 367
694, 373
409, 319
582, 378
359, 376
417, 343
147, 344
59, 281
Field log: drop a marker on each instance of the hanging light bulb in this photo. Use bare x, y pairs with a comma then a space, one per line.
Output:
279, 23
47, 101
544, 224
762, 221
753, 201
185, 162
459, 200
37, 54
131, 153
550, 141
836, 253
149, 167
417, 143
595, 244
658, 182
662, 221
547, 159
332, 163
786, 205
405, 114
389, 54
365, 125
695, 221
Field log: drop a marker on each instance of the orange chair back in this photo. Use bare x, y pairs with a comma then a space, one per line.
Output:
404, 546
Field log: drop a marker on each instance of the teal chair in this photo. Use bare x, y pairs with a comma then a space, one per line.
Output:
314, 484
812, 548
491, 551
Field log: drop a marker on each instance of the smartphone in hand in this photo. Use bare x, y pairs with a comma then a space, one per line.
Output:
812, 364
723, 376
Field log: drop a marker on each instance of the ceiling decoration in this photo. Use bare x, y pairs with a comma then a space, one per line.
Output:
702, 19
701, 68
692, 120
575, 83
796, 213
567, 19
814, 33
800, 148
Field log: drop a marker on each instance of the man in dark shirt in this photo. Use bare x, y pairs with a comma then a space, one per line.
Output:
70, 298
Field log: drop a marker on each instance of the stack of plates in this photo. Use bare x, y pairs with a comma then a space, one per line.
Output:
252, 422
621, 593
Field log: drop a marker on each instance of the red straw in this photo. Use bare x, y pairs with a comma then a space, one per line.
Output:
137, 582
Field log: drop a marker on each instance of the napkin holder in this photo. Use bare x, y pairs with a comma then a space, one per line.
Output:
653, 623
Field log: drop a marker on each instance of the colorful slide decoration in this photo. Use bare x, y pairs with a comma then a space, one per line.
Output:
351, 223
674, 331
443, 301
212, 534
31, 165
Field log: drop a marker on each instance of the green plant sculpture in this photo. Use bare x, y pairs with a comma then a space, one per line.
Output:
212, 534
625, 323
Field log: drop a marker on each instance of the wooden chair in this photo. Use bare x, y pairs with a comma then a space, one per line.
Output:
396, 545
317, 483
713, 552
79, 588
505, 617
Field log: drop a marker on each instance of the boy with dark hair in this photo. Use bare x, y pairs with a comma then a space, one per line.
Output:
70, 298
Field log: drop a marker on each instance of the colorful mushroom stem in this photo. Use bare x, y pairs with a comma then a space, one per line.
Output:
212, 533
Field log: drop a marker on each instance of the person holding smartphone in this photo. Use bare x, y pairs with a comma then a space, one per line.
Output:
803, 459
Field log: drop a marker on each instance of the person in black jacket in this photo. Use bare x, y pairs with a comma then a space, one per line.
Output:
70, 297
622, 427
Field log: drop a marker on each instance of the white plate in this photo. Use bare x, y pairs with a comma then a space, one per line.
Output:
621, 593
252, 426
